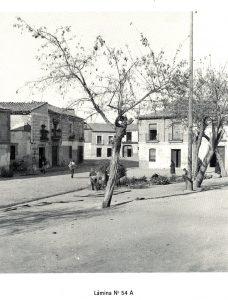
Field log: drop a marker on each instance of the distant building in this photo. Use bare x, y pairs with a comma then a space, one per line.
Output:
53, 133
4, 137
99, 139
162, 139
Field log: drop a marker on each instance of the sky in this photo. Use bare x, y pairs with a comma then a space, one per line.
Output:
165, 30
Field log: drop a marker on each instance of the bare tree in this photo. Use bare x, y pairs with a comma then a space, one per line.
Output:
113, 82
209, 115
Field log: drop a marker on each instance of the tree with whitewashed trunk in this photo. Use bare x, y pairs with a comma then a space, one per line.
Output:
113, 82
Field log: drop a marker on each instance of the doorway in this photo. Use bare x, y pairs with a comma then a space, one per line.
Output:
80, 154
176, 157
127, 151
41, 156
55, 153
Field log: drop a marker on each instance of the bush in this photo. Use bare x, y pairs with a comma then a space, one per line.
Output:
105, 166
159, 180
6, 173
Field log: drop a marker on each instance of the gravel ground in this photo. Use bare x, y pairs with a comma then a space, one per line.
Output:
164, 232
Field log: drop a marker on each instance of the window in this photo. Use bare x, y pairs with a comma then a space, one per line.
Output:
99, 139
12, 152
129, 136
153, 132
70, 151
152, 154
176, 132
109, 152
110, 139
99, 152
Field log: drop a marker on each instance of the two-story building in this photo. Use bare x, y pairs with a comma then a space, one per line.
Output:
49, 132
163, 139
4, 137
99, 140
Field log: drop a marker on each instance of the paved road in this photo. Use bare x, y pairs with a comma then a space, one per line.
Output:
27, 189
71, 234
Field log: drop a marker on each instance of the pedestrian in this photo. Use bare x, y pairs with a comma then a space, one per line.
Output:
43, 165
185, 177
172, 167
72, 166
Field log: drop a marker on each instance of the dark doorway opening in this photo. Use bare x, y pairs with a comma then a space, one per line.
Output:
80, 154
176, 157
55, 153
41, 156
12, 152
127, 151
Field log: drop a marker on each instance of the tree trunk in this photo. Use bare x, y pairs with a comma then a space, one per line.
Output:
195, 156
120, 132
203, 167
221, 164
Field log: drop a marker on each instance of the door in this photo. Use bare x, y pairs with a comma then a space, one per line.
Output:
176, 157
80, 154
54, 156
41, 156
127, 151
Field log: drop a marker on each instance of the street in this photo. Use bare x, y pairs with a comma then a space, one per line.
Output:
166, 230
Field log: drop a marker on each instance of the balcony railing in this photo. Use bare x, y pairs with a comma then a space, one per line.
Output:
150, 139
56, 134
175, 137
99, 143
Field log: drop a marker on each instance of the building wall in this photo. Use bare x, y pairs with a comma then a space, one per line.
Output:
164, 146
4, 139
29, 144
90, 147
21, 141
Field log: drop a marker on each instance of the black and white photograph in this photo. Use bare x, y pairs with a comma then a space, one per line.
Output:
114, 143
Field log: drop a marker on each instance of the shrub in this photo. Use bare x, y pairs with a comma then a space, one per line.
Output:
6, 173
159, 180
105, 166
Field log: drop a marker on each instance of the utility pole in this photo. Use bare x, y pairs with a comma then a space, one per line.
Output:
190, 121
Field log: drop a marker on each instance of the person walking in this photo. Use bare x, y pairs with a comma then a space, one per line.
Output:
172, 168
72, 166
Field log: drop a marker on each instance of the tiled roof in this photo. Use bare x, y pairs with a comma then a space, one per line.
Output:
63, 111
132, 127
163, 114
103, 127
26, 128
18, 108
21, 107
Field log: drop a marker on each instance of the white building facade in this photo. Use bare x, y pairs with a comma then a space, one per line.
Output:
162, 140
99, 140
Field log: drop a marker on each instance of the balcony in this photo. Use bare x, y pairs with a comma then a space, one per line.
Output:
72, 137
176, 138
44, 134
151, 139
56, 134
99, 143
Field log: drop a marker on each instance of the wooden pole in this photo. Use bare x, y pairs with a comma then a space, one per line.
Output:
190, 121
